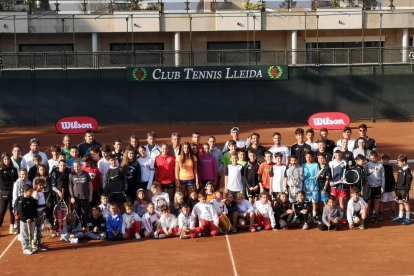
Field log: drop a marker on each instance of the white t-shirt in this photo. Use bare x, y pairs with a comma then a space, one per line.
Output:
282, 149
278, 178
240, 144
351, 144
147, 164
234, 177
246, 206
314, 146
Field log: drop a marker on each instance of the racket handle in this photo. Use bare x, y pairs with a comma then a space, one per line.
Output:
63, 191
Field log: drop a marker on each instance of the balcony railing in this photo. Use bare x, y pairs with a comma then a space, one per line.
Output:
117, 60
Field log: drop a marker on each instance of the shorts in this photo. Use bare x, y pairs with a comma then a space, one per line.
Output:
338, 193
234, 193
322, 197
188, 182
275, 195
387, 197
357, 214
252, 194
365, 192
375, 192
168, 186
312, 196
403, 195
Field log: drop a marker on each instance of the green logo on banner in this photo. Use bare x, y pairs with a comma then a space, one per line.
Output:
275, 72
139, 74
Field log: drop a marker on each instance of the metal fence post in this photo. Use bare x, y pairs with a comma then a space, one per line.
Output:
286, 58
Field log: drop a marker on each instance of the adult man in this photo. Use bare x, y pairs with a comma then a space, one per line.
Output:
175, 150
346, 133
254, 145
330, 145
152, 149
165, 172
80, 188
277, 147
90, 141
216, 152
240, 144
34, 149
369, 142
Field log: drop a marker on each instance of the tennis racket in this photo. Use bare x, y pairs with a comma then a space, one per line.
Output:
350, 177
329, 218
46, 229
224, 223
29, 231
260, 159
60, 211
184, 230
293, 177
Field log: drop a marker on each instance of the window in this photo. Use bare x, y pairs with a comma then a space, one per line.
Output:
45, 55
118, 47
147, 59
339, 45
44, 48
226, 52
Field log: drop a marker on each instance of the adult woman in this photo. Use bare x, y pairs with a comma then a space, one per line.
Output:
186, 173
134, 144
147, 170
8, 175
133, 173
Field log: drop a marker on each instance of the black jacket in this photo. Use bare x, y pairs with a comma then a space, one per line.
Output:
99, 222
8, 176
26, 208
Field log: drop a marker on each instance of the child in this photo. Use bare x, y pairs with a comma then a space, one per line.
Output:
114, 223
118, 152
206, 215
323, 179
376, 181
178, 201
96, 225
18, 189
38, 194
210, 191
131, 222
150, 220
388, 195
159, 198
233, 176
291, 184
277, 176
278, 147
186, 224
232, 210
140, 205
309, 140
193, 200
250, 177
169, 226
74, 156
54, 161
95, 175
104, 163
338, 167
226, 156
26, 210
264, 173
331, 216
356, 210
218, 203
37, 160
283, 211
302, 210
72, 231
241, 157
208, 166
310, 172
246, 213
104, 206
264, 213
300, 148
115, 182
403, 186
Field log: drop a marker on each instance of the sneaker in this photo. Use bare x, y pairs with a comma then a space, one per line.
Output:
156, 235
161, 236
199, 235
374, 219
19, 237
11, 231
34, 249
362, 226
406, 222
295, 219
380, 217
343, 221
393, 215
258, 228
286, 228
27, 252
305, 226
184, 236
73, 240
234, 230
252, 229
42, 248
398, 219
138, 236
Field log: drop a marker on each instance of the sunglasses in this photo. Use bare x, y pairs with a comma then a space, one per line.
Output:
34, 140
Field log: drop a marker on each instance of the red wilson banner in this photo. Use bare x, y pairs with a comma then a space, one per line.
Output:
73, 125
329, 120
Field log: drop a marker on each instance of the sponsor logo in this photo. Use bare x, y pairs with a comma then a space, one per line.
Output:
73, 125
329, 120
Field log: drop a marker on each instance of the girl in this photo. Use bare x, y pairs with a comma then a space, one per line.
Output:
96, 178
8, 175
147, 164
38, 194
361, 149
133, 173
264, 213
206, 215
219, 204
186, 224
210, 191
245, 212
150, 221
178, 202
186, 173
47, 191
232, 210
323, 179
193, 200
283, 211
159, 198
302, 210
134, 144
18, 161
140, 205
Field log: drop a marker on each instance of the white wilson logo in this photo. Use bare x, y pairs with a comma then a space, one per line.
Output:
75, 125
327, 121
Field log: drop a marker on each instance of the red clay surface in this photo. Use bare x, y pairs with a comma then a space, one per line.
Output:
382, 249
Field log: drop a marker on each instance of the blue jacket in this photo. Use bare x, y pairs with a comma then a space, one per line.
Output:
114, 223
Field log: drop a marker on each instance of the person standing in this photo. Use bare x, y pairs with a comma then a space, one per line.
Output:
34, 149
8, 175
90, 141
175, 150
165, 172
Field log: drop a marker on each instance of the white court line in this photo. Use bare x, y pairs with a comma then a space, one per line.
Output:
8, 247
231, 256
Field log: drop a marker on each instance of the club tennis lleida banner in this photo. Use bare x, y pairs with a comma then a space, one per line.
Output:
207, 73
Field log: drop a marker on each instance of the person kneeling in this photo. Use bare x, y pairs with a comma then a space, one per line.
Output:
356, 210
331, 215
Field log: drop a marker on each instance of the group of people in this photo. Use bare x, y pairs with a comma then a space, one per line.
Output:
116, 193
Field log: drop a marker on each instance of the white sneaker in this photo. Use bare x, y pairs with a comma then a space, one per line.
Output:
161, 236
73, 240
27, 252
305, 226
258, 228
184, 237
19, 237
137, 235
156, 234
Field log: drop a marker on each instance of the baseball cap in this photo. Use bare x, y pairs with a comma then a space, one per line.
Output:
234, 128
338, 150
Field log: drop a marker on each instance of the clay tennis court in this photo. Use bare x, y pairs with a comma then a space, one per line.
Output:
384, 248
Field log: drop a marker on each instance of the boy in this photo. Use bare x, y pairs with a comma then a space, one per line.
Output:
300, 148
346, 133
118, 152
250, 177
241, 157
277, 176
323, 150
73, 229
115, 182
278, 147
54, 161
131, 222
104, 207
206, 215
18, 188
402, 191
240, 144
26, 210
169, 226
67, 143
96, 225
310, 171
292, 185
195, 137
96, 177
389, 190
330, 145
186, 224
264, 213
264, 173
362, 184
104, 163
331, 216
233, 176
216, 152
302, 210
356, 211
376, 181
338, 168
74, 156
153, 150
232, 149
37, 160
309, 140
114, 223
345, 153
95, 153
